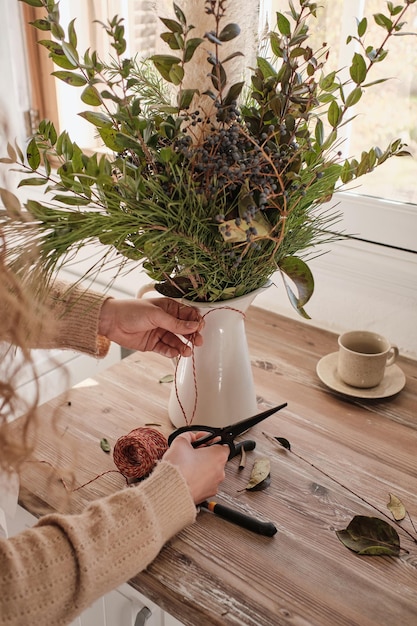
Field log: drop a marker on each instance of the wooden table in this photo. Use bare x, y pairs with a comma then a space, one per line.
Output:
215, 573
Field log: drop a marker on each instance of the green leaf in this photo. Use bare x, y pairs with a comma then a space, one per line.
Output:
176, 74
319, 132
334, 114
283, 24
72, 35
33, 3
370, 536
266, 68
57, 54
179, 14
383, 20
299, 272
354, 97
91, 96
165, 59
185, 97
174, 40
233, 93
57, 31
75, 80
229, 32
362, 26
190, 47
33, 155
166, 155
98, 119
108, 136
32, 182
72, 200
358, 69
172, 25
126, 141
71, 53
104, 445
41, 24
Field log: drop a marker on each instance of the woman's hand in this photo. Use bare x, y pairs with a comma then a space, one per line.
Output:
152, 324
202, 468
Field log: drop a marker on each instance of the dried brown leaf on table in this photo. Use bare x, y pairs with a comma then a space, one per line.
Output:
260, 476
242, 462
396, 507
284, 443
370, 536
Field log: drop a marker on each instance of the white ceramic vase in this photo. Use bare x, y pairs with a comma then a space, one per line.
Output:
215, 387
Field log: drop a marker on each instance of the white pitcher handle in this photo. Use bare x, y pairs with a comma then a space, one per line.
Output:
145, 289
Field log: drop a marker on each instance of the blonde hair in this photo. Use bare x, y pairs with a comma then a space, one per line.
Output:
22, 315
17, 314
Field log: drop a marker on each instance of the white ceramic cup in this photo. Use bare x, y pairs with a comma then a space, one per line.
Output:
363, 357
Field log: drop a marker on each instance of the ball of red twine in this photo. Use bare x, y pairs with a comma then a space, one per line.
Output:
136, 454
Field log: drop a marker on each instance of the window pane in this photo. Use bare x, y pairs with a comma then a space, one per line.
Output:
386, 111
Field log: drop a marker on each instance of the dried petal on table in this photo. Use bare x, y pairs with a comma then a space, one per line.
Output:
260, 476
396, 507
167, 379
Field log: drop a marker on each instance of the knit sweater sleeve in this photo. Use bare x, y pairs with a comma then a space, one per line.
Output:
50, 573
74, 320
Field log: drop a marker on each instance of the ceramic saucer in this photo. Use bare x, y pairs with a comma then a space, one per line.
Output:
393, 382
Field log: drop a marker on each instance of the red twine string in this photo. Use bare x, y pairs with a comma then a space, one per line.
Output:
136, 454
190, 421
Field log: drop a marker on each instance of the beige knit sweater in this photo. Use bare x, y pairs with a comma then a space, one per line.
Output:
50, 573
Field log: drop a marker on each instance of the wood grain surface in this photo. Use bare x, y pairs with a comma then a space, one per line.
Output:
347, 456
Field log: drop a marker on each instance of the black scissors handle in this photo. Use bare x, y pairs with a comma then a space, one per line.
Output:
227, 434
212, 433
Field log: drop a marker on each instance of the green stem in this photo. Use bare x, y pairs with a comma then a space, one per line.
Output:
298, 456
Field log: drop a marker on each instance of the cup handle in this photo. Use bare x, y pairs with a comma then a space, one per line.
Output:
393, 355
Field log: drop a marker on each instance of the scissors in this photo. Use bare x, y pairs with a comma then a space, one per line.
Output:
227, 434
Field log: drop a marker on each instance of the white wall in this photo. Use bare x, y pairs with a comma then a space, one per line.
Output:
360, 286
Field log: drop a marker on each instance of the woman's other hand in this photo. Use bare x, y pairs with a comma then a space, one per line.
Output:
202, 468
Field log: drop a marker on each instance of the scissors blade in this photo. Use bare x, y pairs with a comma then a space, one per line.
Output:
239, 427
